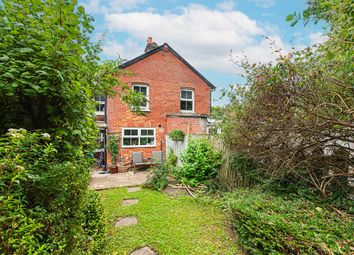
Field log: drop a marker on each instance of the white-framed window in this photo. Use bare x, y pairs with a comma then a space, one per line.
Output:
138, 137
144, 89
100, 105
187, 100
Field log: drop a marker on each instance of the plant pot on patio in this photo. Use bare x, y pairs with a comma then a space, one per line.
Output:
113, 169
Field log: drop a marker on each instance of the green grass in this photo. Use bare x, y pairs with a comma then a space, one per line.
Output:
169, 225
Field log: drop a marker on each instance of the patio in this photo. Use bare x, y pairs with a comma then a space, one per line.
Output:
108, 181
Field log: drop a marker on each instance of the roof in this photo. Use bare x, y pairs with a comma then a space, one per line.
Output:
161, 47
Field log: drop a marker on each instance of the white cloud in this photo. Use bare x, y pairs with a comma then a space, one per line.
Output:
204, 37
317, 37
227, 5
105, 6
263, 3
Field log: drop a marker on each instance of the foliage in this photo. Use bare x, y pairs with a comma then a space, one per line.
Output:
158, 177
171, 160
200, 162
113, 147
176, 135
171, 225
217, 112
237, 171
294, 116
46, 198
268, 224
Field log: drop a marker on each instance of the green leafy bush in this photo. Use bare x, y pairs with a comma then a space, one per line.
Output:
113, 147
46, 207
176, 135
171, 160
269, 224
200, 162
158, 178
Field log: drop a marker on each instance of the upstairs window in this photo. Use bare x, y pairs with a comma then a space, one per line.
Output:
144, 89
139, 137
100, 105
187, 100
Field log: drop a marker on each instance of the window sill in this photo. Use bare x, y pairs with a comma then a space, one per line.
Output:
99, 113
138, 146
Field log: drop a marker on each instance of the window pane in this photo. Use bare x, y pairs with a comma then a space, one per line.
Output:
143, 141
144, 103
183, 105
150, 132
189, 94
126, 141
183, 94
134, 141
136, 88
127, 132
150, 141
134, 132
144, 132
189, 106
143, 90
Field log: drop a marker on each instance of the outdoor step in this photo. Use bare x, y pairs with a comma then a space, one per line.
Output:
133, 189
131, 201
146, 250
126, 221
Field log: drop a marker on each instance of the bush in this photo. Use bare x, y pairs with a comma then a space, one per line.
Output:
268, 224
44, 200
171, 160
237, 170
200, 162
158, 177
176, 135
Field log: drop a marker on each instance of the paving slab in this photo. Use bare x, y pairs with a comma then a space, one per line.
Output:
107, 181
146, 250
131, 201
133, 189
126, 221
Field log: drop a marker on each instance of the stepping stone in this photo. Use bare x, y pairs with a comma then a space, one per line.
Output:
146, 250
133, 189
131, 201
126, 221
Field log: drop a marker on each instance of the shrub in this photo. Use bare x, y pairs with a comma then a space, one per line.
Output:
45, 197
171, 160
268, 224
237, 170
113, 147
200, 162
158, 177
176, 135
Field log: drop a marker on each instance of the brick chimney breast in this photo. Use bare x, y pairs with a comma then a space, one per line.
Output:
150, 45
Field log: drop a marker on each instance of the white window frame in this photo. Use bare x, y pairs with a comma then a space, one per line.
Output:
138, 136
186, 99
99, 102
144, 109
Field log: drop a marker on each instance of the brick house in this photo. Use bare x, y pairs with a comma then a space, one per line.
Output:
178, 97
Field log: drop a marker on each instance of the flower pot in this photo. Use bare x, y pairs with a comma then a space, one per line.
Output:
113, 169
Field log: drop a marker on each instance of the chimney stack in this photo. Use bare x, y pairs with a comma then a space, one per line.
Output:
150, 45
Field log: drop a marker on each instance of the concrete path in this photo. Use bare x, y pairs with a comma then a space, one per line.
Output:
108, 181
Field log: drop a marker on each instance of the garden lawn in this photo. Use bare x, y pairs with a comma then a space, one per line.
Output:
168, 224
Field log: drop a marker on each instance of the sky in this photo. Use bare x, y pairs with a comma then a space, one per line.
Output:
211, 34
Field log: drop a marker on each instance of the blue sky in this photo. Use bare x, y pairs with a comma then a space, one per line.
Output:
203, 32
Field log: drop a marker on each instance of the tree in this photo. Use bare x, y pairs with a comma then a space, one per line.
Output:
50, 73
295, 116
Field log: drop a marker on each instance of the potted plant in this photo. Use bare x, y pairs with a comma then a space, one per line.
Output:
176, 135
113, 148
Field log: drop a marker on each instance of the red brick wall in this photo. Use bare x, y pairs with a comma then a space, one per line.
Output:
166, 75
